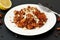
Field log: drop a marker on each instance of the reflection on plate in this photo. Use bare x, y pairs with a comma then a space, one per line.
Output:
13, 27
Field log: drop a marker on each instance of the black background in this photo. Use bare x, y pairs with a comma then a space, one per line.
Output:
6, 34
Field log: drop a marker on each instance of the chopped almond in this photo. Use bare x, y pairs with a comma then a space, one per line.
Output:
58, 28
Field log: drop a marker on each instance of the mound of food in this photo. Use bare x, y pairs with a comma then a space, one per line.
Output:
29, 18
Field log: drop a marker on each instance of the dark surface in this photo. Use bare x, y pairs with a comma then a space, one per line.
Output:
6, 34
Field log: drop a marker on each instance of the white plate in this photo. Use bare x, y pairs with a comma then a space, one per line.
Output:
11, 26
